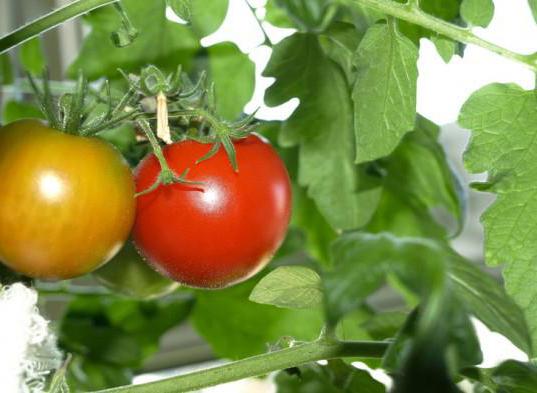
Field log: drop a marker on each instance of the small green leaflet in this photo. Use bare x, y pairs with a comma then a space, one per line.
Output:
533, 6
233, 88
322, 126
182, 8
477, 12
445, 47
31, 56
289, 287
503, 120
384, 94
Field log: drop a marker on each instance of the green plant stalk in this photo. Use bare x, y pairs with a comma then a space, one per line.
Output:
411, 12
49, 21
157, 150
259, 365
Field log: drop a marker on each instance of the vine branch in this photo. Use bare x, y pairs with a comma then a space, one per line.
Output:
49, 21
259, 365
410, 12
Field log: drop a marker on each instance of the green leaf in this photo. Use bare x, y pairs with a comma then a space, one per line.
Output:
362, 261
516, 377
208, 15
533, 6
510, 377
277, 16
503, 121
245, 328
335, 377
182, 8
319, 233
289, 287
446, 48
86, 375
322, 126
233, 74
384, 94
339, 42
31, 56
422, 195
100, 57
485, 298
477, 12
351, 327
123, 137
384, 325
16, 110
311, 15
114, 336
447, 10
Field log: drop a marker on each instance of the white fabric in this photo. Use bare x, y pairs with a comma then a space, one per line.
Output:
28, 350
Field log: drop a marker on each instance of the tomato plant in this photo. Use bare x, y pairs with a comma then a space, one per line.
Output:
223, 230
376, 200
61, 216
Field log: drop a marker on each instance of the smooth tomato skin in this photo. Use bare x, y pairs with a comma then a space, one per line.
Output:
219, 233
67, 202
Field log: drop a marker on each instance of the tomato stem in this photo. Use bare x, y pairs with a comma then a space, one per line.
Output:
255, 366
411, 12
49, 21
166, 175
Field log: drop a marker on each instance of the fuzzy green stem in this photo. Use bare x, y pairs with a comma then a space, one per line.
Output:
219, 127
410, 12
166, 175
259, 365
157, 150
49, 21
111, 123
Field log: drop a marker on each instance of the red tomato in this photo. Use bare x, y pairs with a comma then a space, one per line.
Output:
219, 233
67, 202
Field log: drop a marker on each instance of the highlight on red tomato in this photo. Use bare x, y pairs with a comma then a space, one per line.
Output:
67, 202
129, 275
222, 231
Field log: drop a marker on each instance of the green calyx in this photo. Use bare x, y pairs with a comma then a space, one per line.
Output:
76, 113
166, 175
219, 132
192, 112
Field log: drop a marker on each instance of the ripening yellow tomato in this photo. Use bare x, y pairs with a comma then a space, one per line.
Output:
66, 202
